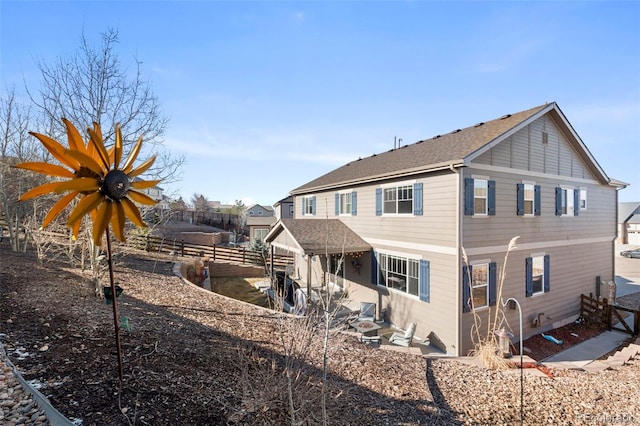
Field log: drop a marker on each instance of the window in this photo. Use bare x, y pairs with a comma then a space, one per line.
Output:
479, 197
309, 206
478, 285
346, 203
260, 234
398, 200
583, 199
403, 274
480, 190
529, 201
567, 201
401, 199
537, 274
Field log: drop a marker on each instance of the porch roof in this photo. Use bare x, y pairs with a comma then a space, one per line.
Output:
319, 236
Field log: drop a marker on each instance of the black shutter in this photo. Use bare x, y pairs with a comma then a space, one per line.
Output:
466, 291
468, 196
537, 200
558, 201
520, 199
547, 284
491, 198
493, 283
529, 276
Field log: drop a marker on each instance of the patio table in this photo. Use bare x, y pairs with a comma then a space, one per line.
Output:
366, 327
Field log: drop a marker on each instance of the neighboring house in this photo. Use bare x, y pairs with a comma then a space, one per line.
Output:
629, 223
424, 228
259, 220
284, 208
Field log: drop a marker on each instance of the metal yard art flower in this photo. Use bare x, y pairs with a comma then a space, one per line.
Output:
107, 189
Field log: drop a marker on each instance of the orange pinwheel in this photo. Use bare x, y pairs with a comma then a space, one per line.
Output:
106, 187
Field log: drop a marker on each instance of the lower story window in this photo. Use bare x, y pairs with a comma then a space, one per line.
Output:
480, 285
399, 273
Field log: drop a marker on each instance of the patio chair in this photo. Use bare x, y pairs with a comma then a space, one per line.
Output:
367, 312
403, 338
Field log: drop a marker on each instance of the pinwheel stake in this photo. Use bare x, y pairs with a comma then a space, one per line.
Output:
94, 173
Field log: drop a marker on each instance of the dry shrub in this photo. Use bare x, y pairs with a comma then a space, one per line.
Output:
193, 271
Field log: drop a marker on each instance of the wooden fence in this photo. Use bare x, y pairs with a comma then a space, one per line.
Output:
213, 252
602, 312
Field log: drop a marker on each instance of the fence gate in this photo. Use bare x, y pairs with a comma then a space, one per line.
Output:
601, 312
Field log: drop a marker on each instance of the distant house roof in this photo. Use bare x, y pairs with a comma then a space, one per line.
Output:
288, 199
626, 211
320, 236
261, 220
453, 149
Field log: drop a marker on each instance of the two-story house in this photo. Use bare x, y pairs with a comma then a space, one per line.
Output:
424, 227
259, 220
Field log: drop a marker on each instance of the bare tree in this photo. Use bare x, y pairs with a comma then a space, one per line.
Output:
92, 84
15, 146
199, 202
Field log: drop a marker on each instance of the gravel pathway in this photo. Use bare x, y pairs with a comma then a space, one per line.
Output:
17, 406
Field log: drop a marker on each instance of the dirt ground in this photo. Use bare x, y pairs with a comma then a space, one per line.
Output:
190, 357
193, 357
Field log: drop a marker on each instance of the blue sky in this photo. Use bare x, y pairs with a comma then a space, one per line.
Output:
265, 96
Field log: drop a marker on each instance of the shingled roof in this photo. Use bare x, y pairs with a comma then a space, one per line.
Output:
430, 154
319, 236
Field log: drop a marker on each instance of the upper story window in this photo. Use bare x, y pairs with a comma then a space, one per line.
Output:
403, 199
403, 274
567, 201
529, 200
398, 200
479, 197
583, 199
479, 282
309, 206
346, 203
537, 274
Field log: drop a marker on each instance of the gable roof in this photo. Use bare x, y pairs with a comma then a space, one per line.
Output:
320, 236
627, 210
454, 149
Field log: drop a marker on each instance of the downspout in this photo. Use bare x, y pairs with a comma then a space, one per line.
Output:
309, 256
458, 306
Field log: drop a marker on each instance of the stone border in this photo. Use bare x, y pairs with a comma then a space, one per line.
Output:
54, 417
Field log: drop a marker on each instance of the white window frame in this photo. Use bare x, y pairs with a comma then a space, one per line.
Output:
344, 203
308, 211
529, 189
402, 270
474, 269
583, 198
401, 195
480, 183
537, 264
566, 198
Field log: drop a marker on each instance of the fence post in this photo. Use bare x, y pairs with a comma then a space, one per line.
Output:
598, 284
244, 255
606, 310
636, 321
214, 252
182, 248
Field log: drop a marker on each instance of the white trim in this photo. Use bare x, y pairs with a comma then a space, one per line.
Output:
403, 254
541, 175
288, 248
397, 184
480, 262
537, 246
412, 246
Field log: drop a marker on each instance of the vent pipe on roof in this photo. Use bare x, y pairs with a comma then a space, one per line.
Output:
396, 144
